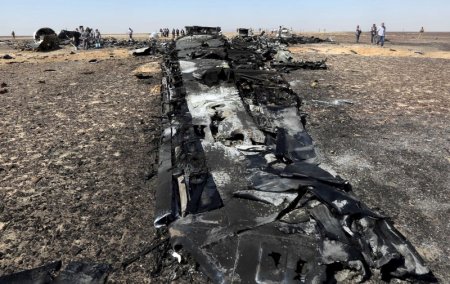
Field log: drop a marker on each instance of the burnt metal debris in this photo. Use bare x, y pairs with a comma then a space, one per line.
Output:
75, 273
240, 186
45, 39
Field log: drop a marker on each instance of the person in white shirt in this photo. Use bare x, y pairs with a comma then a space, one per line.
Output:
130, 34
381, 34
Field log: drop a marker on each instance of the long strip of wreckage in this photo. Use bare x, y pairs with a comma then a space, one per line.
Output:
240, 186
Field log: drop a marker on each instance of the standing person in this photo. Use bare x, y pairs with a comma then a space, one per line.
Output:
76, 39
13, 34
381, 34
97, 37
373, 34
85, 39
177, 32
358, 33
173, 33
422, 30
130, 34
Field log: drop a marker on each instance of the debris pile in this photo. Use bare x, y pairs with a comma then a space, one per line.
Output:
240, 186
45, 39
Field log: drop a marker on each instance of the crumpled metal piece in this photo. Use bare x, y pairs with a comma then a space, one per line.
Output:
74, 273
45, 39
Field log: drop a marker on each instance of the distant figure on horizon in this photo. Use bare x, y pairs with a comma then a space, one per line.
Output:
358, 33
373, 34
173, 33
381, 34
130, 34
13, 34
422, 30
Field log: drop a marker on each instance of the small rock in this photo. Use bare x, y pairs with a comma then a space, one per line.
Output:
2, 225
3, 85
7, 56
93, 61
75, 250
41, 81
35, 180
3, 91
314, 84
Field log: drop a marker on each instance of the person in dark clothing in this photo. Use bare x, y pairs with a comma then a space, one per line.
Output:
373, 34
422, 30
130, 34
13, 34
85, 38
173, 33
76, 40
178, 32
358, 33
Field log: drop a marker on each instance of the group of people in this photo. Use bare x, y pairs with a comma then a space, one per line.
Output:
377, 34
175, 32
87, 36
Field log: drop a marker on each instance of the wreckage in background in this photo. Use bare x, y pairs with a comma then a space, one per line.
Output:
240, 186
45, 39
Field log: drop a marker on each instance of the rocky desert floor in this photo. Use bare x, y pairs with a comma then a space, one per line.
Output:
79, 139
379, 118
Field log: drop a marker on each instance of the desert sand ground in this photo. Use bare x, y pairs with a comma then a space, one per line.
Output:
78, 145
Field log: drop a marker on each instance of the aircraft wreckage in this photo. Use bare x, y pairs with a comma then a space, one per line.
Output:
240, 187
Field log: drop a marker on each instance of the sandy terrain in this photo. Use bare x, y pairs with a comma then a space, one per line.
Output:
77, 152
78, 144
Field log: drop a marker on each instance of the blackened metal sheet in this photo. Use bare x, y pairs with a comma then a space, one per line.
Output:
43, 274
74, 273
